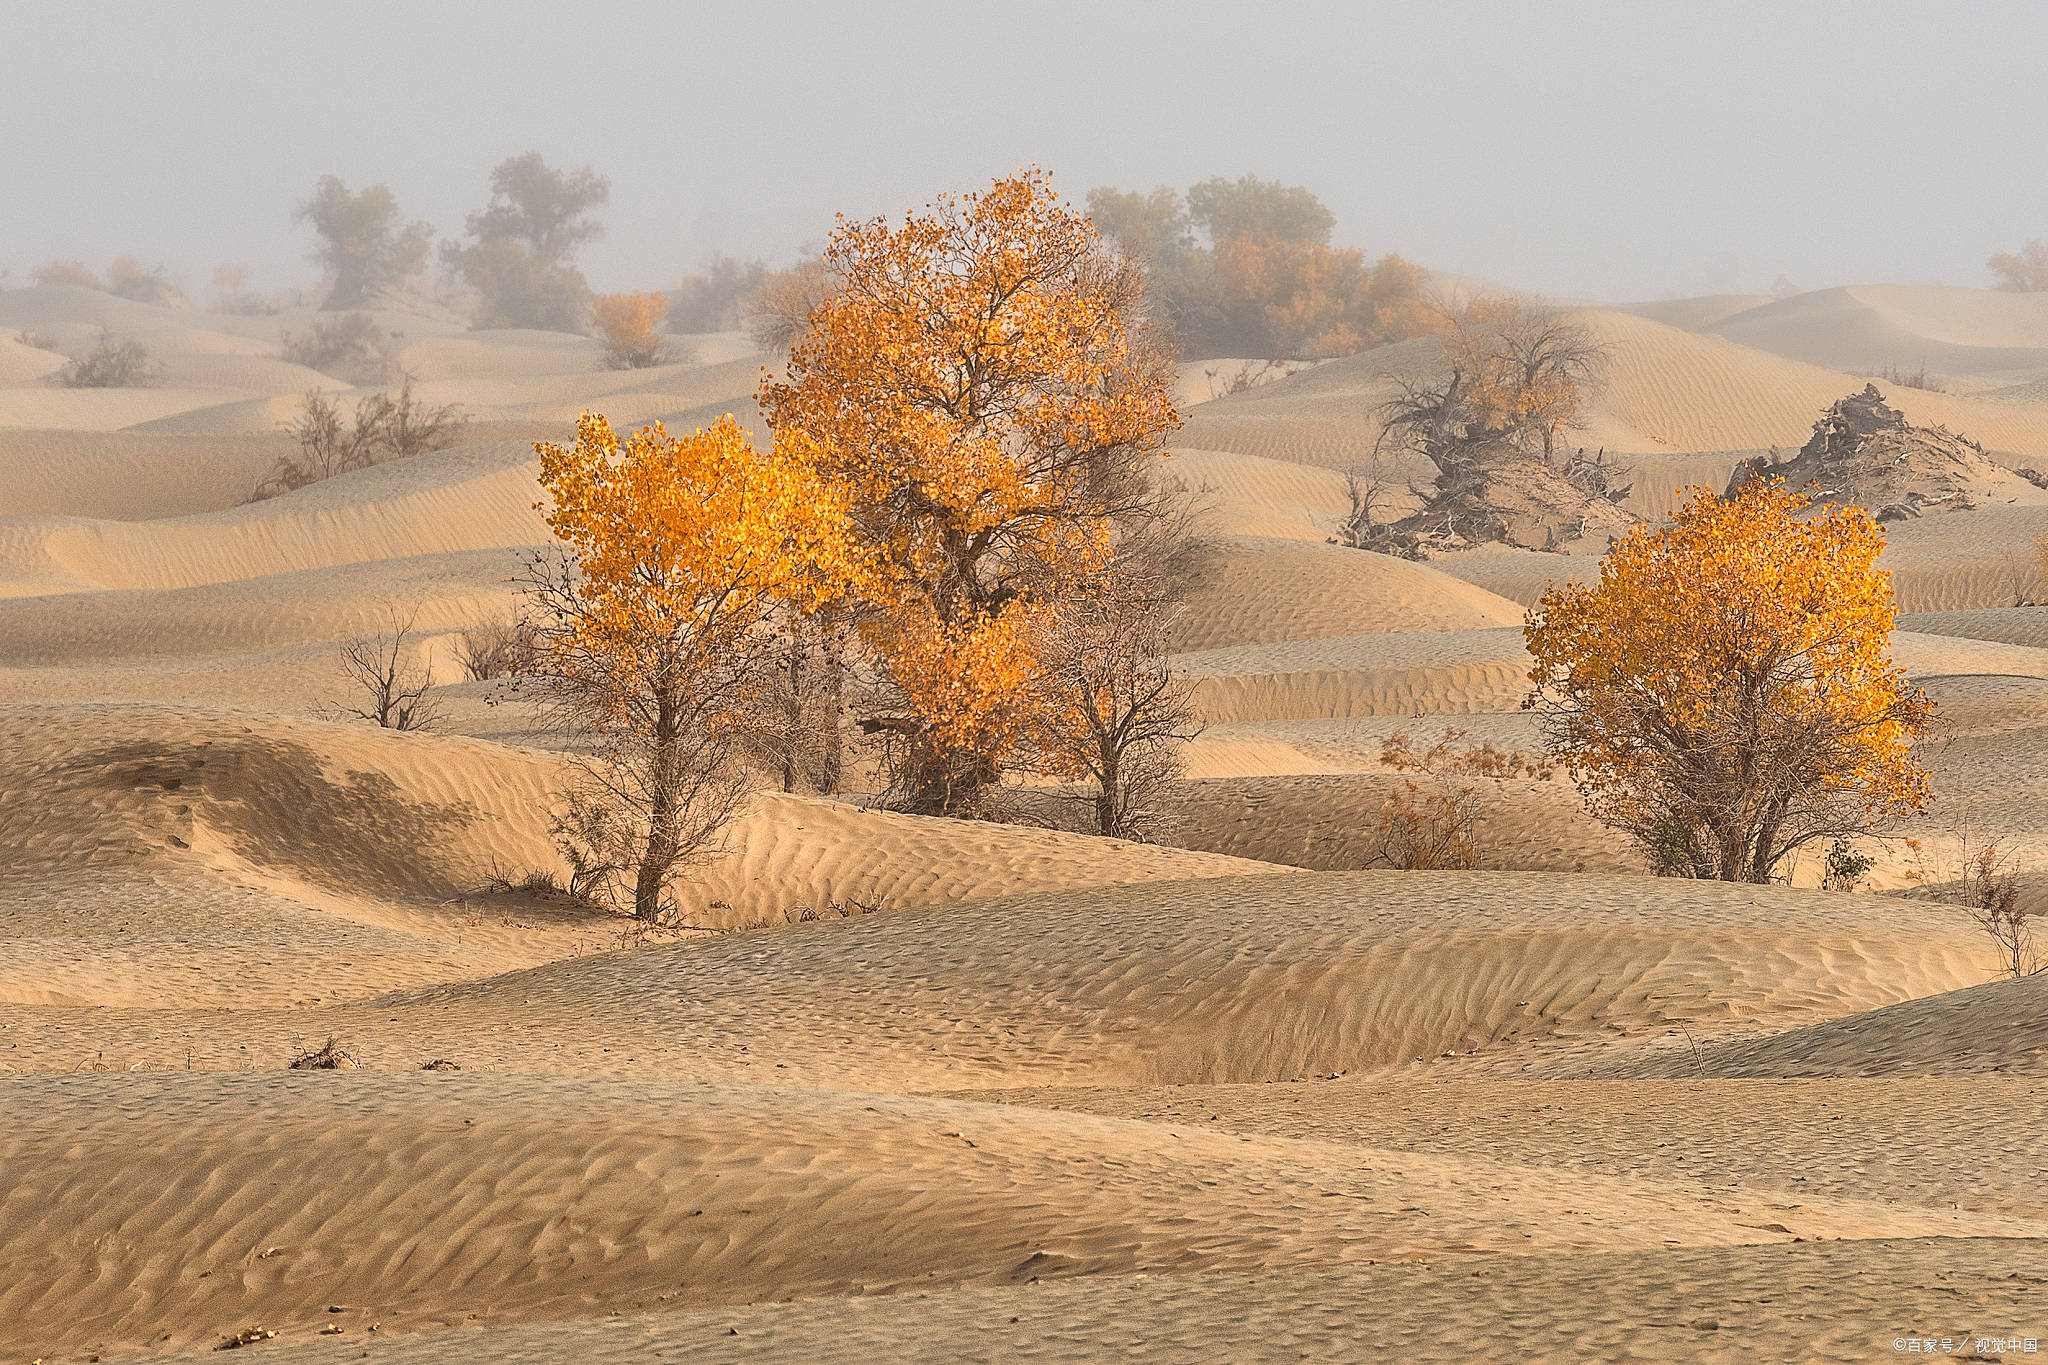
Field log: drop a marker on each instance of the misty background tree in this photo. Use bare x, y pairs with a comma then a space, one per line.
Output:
520, 256
362, 243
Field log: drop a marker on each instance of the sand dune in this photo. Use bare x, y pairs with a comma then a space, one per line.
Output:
425, 1201
403, 833
23, 364
1330, 822
1993, 1029
1668, 391
1863, 329
1452, 672
1226, 978
129, 476
1829, 1302
1260, 590
1695, 314
909, 1088
2011, 625
1407, 674
466, 498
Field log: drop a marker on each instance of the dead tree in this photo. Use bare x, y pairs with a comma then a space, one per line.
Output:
392, 686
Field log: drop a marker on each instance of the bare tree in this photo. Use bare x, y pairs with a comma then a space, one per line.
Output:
362, 242
797, 723
392, 687
779, 310
1117, 709
1512, 381
1367, 525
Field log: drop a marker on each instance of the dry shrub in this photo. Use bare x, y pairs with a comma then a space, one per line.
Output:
628, 323
1425, 827
850, 908
390, 687
1984, 880
384, 427
228, 281
597, 840
128, 278
539, 885
1444, 758
329, 1056
349, 346
112, 364
65, 272
497, 649
1911, 379
2023, 271
715, 300
1249, 374
1428, 824
40, 341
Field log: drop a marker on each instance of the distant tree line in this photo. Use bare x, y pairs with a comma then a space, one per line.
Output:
2024, 271
1245, 268
518, 252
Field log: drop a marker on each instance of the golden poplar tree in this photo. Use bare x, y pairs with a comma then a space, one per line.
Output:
1725, 693
982, 384
652, 629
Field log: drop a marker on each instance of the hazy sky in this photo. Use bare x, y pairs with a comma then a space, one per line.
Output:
1582, 149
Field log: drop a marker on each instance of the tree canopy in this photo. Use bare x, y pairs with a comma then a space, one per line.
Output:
1725, 692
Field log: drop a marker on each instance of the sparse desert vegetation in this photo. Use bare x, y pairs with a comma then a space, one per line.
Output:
631, 327
381, 426
112, 363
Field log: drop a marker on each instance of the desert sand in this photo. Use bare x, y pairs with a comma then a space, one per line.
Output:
917, 1089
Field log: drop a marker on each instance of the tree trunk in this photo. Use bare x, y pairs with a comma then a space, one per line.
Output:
793, 714
831, 736
658, 854
1107, 789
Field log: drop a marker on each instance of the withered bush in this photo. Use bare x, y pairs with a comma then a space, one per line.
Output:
1446, 758
497, 649
112, 364
383, 427
348, 346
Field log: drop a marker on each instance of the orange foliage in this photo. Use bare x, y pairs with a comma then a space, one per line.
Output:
627, 323
655, 638
979, 384
1725, 693
1309, 300
684, 546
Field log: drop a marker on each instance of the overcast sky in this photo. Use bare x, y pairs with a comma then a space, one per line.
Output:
1624, 150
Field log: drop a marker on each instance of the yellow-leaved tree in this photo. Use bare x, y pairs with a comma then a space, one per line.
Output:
1725, 693
653, 627
982, 382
